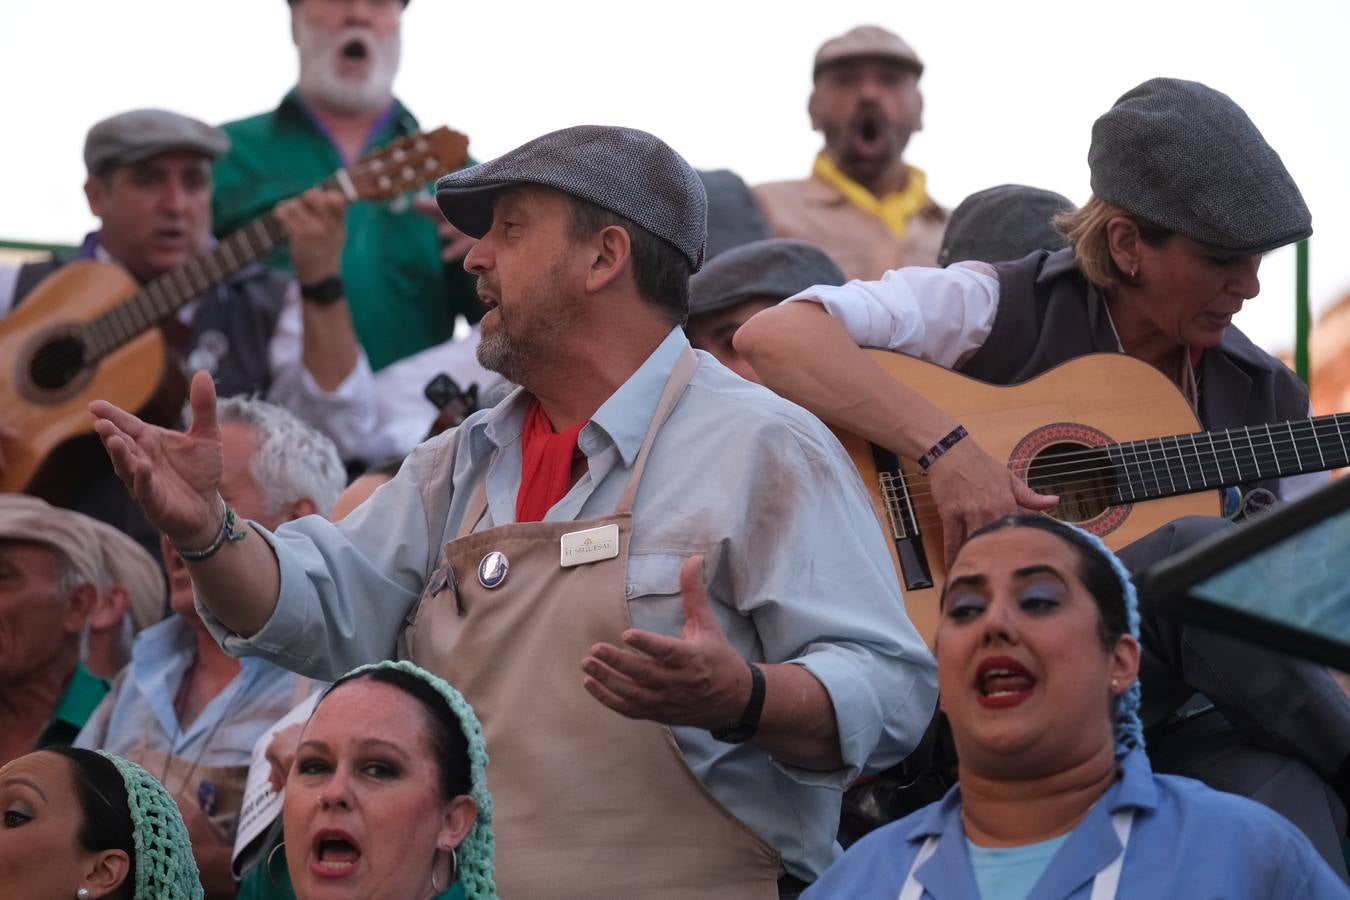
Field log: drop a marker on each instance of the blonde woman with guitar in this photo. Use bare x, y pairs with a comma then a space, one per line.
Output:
1187, 196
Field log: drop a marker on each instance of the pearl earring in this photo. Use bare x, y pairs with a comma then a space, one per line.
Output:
83, 894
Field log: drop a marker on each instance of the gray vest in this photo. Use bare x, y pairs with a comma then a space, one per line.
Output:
1047, 316
231, 328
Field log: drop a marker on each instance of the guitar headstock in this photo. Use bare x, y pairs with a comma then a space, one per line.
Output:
408, 163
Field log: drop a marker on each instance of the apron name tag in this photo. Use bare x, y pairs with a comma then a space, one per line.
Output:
591, 545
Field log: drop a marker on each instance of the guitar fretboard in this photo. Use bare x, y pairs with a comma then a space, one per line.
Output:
1186, 463
165, 295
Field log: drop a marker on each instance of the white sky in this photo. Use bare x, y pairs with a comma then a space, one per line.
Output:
1011, 89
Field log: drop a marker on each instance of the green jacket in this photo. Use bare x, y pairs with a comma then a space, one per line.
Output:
403, 298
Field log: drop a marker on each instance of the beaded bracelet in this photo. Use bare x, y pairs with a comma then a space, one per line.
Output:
942, 446
227, 533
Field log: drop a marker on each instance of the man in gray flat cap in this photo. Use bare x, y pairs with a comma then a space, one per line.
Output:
49, 574
149, 182
662, 587
745, 280
1186, 197
1003, 222
863, 204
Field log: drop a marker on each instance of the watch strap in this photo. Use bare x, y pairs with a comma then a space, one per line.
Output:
326, 292
744, 729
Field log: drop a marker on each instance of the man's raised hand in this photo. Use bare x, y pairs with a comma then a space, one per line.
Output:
175, 476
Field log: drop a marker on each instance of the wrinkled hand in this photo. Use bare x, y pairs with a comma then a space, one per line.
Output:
971, 489
281, 753
455, 244
697, 679
316, 225
175, 476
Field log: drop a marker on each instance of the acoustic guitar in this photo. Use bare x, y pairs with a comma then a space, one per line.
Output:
1109, 434
89, 331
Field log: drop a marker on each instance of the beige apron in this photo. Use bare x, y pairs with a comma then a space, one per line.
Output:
589, 804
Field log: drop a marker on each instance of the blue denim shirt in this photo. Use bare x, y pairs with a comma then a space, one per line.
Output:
796, 567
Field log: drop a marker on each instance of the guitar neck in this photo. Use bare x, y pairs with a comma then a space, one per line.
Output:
1187, 463
168, 293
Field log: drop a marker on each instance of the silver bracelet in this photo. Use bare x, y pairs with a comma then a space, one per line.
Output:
227, 534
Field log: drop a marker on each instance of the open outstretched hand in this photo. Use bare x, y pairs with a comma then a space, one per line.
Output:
175, 476
697, 679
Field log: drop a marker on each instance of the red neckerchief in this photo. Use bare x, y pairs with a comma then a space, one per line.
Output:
545, 464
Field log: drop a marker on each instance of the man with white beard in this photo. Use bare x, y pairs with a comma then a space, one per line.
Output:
400, 272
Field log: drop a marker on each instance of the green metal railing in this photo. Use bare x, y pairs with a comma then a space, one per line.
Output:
29, 245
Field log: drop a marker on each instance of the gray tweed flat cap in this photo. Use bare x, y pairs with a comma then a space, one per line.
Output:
623, 170
142, 133
734, 218
775, 268
1004, 222
1186, 157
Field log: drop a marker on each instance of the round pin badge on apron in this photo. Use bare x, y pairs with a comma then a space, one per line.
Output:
492, 570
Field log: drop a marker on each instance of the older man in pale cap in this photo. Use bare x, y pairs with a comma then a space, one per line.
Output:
132, 596
49, 567
682, 649
863, 204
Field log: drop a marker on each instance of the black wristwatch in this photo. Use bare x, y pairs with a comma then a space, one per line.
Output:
324, 293
743, 730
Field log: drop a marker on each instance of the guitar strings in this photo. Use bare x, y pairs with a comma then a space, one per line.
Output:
96, 338
1110, 494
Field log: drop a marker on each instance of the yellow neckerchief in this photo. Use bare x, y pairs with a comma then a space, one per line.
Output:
895, 209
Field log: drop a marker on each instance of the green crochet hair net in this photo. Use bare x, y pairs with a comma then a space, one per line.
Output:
477, 870
165, 867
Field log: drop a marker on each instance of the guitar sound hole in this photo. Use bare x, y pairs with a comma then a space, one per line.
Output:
57, 363
1079, 474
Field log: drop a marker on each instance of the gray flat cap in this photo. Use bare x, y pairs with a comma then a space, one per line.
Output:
776, 268
623, 170
1186, 157
866, 41
734, 218
1004, 222
142, 133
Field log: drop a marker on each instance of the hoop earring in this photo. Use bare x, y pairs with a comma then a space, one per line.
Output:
454, 869
268, 868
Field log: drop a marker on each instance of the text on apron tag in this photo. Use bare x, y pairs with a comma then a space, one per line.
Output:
591, 545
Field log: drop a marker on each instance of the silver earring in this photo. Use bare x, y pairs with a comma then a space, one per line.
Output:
1134, 273
454, 869
83, 894
270, 856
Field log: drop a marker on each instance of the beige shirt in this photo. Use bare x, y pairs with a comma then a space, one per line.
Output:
863, 246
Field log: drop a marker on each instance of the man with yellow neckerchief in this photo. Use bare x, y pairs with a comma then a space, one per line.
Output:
863, 204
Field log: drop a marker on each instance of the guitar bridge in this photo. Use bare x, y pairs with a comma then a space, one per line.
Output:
905, 532
891, 488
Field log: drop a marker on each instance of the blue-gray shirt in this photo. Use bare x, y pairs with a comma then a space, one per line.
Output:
1186, 840
796, 565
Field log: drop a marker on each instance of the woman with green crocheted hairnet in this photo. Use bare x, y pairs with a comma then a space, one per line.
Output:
387, 796
85, 824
